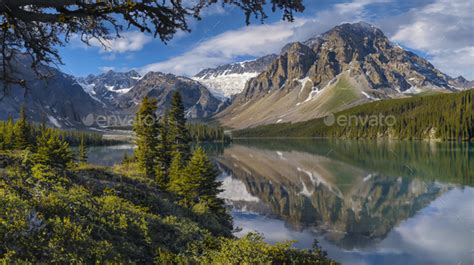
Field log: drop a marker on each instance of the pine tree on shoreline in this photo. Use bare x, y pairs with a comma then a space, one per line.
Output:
165, 155
22, 131
146, 130
82, 151
179, 135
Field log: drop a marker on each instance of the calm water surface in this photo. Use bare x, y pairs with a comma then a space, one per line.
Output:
365, 202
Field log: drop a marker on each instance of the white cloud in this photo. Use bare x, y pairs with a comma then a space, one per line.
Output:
356, 6
128, 42
258, 40
449, 218
456, 62
248, 41
444, 30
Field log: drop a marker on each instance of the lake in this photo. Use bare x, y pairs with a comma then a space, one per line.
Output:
365, 202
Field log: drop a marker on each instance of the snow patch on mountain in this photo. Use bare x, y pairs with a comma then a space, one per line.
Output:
230, 79
123, 90
54, 121
226, 85
369, 96
413, 90
89, 89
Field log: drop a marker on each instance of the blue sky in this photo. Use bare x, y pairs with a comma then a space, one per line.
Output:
439, 30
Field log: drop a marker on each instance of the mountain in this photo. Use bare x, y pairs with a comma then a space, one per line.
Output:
227, 80
461, 83
108, 86
197, 99
59, 100
349, 65
123, 91
66, 101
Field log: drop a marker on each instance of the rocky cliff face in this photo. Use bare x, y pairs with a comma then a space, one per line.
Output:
65, 101
356, 57
107, 87
124, 91
228, 80
198, 101
59, 100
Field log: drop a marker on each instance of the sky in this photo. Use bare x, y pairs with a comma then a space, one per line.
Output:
441, 31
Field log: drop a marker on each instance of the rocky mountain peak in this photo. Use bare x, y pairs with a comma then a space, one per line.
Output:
198, 101
360, 28
107, 86
461, 82
460, 79
250, 66
345, 66
359, 48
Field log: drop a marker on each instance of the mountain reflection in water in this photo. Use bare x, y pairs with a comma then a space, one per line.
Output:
349, 194
366, 202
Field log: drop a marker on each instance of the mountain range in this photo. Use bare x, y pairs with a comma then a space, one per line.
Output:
349, 65
65, 101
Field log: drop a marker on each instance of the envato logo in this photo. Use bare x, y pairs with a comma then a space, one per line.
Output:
114, 120
355, 120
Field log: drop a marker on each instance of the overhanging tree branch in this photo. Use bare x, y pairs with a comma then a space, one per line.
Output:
38, 27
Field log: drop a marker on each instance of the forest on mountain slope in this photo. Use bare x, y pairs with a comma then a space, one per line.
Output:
447, 116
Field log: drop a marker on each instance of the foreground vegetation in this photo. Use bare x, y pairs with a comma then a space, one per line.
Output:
443, 116
159, 206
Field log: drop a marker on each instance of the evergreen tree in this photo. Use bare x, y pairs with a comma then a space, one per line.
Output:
52, 151
179, 135
22, 131
146, 130
164, 152
201, 171
177, 183
197, 184
2, 136
82, 151
126, 158
8, 134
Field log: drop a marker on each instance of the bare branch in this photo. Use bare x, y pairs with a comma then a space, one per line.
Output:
38, 27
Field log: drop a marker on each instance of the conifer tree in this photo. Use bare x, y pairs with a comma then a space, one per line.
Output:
164, 151
177, 182
82, 151
2, 136
22, 131
201, 171
52, 151
146, 130
42, 125
197, 183
179, 135
8, 134
126, 158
